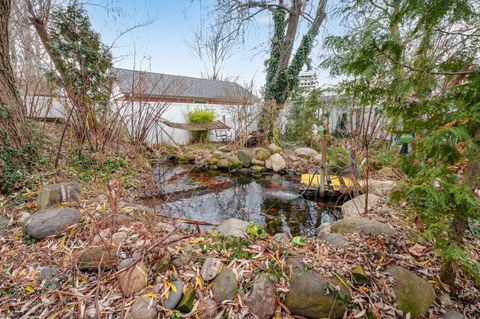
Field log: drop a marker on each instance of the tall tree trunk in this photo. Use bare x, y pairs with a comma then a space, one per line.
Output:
13, 129
293, 20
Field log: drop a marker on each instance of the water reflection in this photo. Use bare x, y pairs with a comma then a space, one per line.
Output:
271, 200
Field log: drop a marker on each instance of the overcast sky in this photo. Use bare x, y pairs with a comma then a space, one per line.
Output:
160, 45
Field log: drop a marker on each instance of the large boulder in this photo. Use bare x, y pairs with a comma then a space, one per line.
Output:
245, 157
277, 163
308, 298
50, 221
233, 227
305, 152
262, 154
413, 294
50, 195
225, 286
262, 300
380, 188
361, 226
133, 279
143, 308
94, 257
356, 206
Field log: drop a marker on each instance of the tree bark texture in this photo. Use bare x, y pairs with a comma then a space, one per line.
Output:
13, 129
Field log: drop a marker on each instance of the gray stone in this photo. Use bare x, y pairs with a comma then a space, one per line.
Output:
174, 297
334, 239
245, 157
124, 263
181, 260
225, 285
277, 162
143, 308
4, 222
50, 195
282, 239
119, 238
24, 216
262, 300
296, 267
453, 314
268, 164
233, 227
262, 153
208, 309
307, 297
305, 152
380, 188
361, 226
356, 206
413, 294
274, 148
211, 268
93, 257
50, 221
102, 238
51, 277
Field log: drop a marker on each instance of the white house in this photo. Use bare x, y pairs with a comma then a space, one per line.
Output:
149, 104
156, 99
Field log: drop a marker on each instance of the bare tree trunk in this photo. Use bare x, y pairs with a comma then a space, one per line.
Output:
12, 120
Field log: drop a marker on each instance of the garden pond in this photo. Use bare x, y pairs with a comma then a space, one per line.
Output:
271, 200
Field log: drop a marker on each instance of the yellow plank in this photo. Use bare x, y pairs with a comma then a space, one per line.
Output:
313, 181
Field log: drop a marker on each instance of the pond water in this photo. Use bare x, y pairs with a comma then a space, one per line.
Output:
271, 200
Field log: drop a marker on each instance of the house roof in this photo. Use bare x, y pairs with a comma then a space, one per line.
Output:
158, 86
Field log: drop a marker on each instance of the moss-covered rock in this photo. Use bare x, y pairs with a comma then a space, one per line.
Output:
225, 285
361, 226
223, 163
258, 168
413, 294
262, 154
245, 157
186, 304
212, 161
308, 298
234, 162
